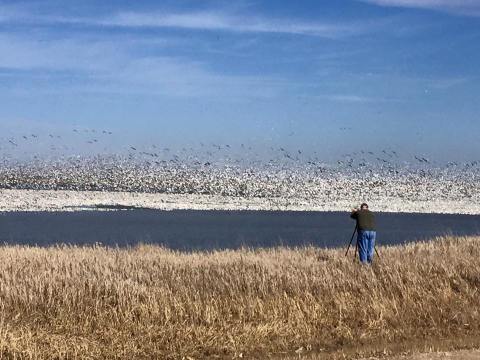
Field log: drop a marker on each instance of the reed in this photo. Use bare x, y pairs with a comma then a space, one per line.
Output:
150, 302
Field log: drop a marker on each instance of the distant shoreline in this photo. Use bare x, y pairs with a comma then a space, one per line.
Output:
68, 200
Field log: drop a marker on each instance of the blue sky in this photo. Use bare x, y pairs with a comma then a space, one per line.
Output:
325, 76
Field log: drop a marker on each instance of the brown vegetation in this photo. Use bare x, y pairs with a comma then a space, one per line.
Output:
149, 302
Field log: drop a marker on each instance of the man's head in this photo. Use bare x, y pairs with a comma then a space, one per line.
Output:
364, 206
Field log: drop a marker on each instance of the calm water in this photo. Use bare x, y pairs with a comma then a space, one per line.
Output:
207, 230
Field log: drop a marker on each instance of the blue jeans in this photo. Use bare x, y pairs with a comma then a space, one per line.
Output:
366, 245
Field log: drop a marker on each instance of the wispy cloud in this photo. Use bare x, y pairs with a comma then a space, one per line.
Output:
105, 65
234, 23
92, 66
356, 99
186, 78
79, 62
460, 7
210, 20
448, 83
349, 98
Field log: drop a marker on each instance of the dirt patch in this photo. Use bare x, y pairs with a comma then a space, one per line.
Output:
464, 348
451, 355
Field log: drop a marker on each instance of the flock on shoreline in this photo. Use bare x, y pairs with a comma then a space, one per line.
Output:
115, 174
232, 170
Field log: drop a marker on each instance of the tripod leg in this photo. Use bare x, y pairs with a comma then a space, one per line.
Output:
356, 249
351, 239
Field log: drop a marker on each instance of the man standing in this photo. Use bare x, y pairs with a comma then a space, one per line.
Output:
366, 233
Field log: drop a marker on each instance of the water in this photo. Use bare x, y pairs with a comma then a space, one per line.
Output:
206, 230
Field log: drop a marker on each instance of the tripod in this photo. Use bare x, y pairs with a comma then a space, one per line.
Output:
351, 239
356, 244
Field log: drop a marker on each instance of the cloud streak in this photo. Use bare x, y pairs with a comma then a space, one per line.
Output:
110, 68
105, 65
232, 23
356, 99
195, 20
460, 7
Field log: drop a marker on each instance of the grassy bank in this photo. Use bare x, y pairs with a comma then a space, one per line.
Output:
148, 302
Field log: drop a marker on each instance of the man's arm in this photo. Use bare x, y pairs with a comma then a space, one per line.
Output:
354, 214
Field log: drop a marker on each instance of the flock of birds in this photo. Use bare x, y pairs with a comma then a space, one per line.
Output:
233, 170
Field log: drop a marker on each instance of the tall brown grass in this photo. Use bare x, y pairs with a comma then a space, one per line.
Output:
149, 302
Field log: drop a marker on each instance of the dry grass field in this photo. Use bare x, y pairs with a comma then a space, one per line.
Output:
148, 302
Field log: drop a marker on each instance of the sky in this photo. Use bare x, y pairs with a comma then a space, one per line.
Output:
329, 76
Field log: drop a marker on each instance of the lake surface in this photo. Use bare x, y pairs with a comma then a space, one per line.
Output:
206, 230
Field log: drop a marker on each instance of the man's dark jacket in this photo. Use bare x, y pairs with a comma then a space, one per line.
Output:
365, 219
